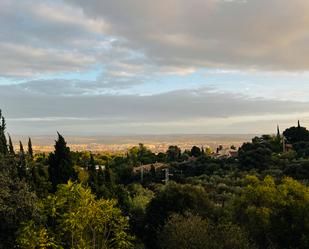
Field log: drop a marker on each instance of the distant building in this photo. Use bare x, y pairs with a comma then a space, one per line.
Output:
147, 167
226, 153
286, 147
97, 167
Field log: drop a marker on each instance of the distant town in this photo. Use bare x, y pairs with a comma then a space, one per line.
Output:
156, 143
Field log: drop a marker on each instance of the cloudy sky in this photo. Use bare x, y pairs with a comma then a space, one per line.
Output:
153, 67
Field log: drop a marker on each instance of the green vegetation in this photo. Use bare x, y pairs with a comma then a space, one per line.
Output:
258, 199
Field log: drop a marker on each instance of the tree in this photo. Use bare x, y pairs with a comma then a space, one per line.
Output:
302, 148
11, 147
139, 197
184, 232
275, 214
255, 155
193, 232
3, 142
60, 164
161, 157
93, 174
195, 151
141, 155
22, 162
33, 236
175, 198
17, 203
173, 153
296, 134
30, 150
76, 219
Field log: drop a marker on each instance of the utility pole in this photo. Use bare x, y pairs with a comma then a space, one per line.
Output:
167, 175
142, 174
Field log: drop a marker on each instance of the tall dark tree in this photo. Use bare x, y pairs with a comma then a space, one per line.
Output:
278, 133
3, 142
21, 148
296, 134
173, 153
22, 170
30, 150
93, 174
195, 151
11, 147
60, 163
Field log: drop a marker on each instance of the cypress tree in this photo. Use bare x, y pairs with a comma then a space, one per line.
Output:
22, 161
30, 150
21, 148
11, 147
93, 174
60, 163
278, 133
3, 142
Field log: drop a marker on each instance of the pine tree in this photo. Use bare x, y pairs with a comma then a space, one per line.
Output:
109, 176
11, 147
30, 150
21, 148
3, 142
203, 151
60, 163
93, 174
22, 162
278, 133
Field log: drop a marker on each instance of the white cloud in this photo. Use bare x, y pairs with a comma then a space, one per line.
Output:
262, 34
136, 42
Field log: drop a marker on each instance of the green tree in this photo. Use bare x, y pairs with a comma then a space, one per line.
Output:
139, 198
193, 232
11, 147
33, 236
76, 219
196, 151
141, 155
275, 215
161, 157
17, 203
296, 134
30, 150
60, 163
39, 180
255, 155
175, 198
93, 174
173, 153
3, 142
22, 162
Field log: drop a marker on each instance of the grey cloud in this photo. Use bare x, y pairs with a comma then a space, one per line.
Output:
263, 34
52, 37
179, 105
177, 111
40, 37
57, 87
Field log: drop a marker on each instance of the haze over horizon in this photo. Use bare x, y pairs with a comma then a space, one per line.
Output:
153, 67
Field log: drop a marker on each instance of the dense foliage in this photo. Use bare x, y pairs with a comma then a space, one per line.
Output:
258, 199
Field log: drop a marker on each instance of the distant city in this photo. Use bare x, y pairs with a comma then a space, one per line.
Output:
157, 143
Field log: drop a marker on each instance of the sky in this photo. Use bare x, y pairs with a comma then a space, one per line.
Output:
122, 67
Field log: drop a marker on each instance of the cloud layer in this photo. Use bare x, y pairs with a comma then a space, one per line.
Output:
263, 34
175, 112
133, 66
